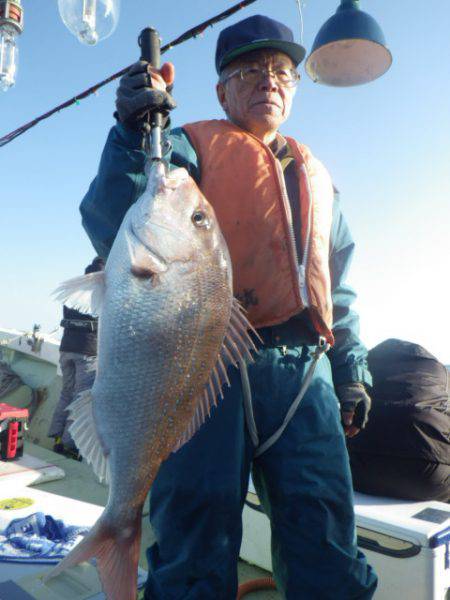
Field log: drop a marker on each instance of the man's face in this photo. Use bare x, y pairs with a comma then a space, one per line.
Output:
259, 107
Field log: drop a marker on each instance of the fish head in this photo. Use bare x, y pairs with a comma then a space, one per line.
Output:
176, 225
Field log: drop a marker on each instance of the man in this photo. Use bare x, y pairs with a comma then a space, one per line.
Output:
78, 361
290, 249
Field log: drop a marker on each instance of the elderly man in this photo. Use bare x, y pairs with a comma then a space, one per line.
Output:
290, 249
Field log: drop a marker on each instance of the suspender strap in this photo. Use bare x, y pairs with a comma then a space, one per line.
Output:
321, 348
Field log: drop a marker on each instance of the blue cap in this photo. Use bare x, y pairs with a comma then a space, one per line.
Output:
254, 33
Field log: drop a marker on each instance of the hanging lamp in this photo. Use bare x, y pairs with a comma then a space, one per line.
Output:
350, 49
11, 26
90, 20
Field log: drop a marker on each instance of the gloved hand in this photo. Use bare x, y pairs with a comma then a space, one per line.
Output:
355, 406
142, 90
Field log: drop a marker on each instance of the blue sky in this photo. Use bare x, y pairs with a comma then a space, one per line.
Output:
385, 145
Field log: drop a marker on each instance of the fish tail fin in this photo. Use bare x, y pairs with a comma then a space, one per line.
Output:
117, 553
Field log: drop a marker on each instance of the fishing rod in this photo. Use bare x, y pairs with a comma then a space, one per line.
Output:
150, 44
187, 35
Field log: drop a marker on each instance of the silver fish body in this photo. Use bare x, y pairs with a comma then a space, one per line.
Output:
159, 335
168, 329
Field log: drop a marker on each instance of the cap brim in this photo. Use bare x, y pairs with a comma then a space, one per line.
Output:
293, 50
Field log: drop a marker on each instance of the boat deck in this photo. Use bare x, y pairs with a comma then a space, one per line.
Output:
81, 484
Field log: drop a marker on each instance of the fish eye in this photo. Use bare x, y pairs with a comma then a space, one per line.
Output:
200, 219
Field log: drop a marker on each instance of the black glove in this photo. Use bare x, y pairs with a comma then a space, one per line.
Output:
135, 97
355, 406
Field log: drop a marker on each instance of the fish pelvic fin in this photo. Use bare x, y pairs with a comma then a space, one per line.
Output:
85, 435
83, 293
117, 554
237, 348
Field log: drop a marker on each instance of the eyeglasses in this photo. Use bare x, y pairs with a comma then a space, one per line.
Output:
284, 76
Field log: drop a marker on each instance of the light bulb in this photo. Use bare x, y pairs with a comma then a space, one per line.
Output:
90, 20
11, 25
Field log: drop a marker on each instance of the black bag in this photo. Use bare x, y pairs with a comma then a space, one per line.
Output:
404, 451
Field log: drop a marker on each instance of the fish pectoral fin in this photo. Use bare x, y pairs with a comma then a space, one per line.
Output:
236, 349
84, 293
85, 435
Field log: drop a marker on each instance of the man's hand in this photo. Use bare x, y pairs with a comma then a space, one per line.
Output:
142, 90
355, 406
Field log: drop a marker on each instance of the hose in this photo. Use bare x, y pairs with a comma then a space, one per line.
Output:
265, 583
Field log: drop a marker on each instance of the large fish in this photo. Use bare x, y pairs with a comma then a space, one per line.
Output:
168, 329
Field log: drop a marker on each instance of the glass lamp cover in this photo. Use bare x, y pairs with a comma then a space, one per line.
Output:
90, 20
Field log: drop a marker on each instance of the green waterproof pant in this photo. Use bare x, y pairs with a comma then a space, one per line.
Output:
303, 482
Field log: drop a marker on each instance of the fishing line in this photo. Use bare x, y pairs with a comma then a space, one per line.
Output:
300, 5
187, 35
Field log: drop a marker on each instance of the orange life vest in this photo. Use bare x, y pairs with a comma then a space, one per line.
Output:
244, 182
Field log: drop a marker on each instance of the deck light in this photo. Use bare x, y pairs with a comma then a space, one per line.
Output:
11, 26
349, 49
90, 20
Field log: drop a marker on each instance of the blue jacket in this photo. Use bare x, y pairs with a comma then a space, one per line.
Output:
121, 180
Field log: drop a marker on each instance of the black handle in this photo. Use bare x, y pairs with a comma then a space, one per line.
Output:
150, 44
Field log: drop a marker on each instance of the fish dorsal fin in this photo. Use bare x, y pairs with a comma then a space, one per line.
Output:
83, 293
85, 435
236, 349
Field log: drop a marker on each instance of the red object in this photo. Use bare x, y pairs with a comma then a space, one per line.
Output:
12, 425
12, 412
11, 11
13, 436
265, 583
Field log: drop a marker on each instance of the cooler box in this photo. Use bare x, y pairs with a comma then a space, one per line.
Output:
408, 544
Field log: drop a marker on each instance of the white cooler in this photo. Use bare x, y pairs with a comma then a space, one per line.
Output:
408, 544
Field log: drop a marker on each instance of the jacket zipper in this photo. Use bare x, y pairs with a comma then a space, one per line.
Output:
303, 266
287, 207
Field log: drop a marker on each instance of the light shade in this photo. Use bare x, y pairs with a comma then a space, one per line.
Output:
349, 49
